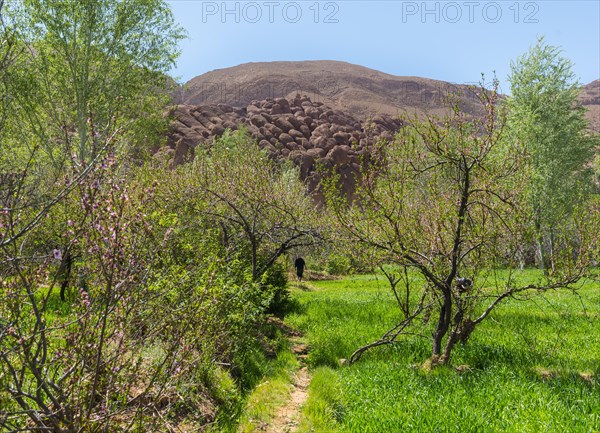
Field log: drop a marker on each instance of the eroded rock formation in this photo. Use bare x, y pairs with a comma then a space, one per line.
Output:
310, 134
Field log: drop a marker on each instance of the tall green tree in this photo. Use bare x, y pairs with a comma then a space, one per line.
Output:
85, 79
547, 121
79, 80
93, 68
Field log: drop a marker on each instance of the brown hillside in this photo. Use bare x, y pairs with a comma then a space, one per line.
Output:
359, 91
315, 113
356, 90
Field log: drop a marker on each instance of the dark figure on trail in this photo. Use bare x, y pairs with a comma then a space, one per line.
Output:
299, 264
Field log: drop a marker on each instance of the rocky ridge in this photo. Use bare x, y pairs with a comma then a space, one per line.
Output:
357, 90
310, 134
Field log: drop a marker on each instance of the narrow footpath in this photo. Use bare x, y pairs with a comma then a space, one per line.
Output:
287, 417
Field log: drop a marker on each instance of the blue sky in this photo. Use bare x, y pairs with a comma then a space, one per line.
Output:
446, 40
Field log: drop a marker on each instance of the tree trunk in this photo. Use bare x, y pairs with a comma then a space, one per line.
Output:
456, 333
442, 326
551, 252
543, 256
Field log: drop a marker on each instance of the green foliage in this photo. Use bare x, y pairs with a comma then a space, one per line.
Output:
90, 72
448, 199
338, 264
221, 264
548, 124
259, 209
169, 273
165, 302
169, 329
97, 347
226, 394
274, 282
87, 87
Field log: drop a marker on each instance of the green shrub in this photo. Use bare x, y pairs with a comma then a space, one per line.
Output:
338, 265
275, 280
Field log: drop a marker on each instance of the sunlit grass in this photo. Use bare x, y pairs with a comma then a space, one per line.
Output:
324, 408
530, 367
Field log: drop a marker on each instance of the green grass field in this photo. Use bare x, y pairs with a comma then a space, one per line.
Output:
532, 366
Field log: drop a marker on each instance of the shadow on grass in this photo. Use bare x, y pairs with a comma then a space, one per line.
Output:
303, 287
289, 306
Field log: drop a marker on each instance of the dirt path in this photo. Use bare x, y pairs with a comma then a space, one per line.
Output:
287, 417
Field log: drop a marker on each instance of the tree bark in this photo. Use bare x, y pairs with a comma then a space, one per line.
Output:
443, 325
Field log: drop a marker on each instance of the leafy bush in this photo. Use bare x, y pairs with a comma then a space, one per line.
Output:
338, 265
275, 281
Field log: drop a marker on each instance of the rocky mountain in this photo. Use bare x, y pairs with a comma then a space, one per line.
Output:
315, 113
356, 90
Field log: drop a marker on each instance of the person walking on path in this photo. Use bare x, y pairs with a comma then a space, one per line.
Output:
299, 264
